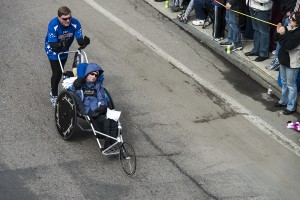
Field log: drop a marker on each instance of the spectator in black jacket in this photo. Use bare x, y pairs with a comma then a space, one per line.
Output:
286, 7
289, 59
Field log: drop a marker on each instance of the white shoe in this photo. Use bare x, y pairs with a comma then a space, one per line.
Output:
53, 100
198, 22
218, 39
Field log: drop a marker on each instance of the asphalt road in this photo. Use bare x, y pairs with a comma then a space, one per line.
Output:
190, 142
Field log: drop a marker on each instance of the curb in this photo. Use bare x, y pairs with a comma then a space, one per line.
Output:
245, 65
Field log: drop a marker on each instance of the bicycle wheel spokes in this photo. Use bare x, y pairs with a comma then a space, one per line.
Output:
127, 158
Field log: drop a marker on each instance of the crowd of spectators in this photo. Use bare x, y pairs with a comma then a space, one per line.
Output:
220, 13
272, 25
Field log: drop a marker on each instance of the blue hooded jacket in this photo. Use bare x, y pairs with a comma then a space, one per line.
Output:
92, 102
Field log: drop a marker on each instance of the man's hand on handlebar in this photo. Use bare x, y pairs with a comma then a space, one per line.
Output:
86, 41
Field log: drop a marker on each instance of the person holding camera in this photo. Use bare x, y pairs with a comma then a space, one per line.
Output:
289, 58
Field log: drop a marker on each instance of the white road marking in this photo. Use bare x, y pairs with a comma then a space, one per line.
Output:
237, 107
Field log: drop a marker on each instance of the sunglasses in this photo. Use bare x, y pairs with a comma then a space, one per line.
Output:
65, 19
94, 74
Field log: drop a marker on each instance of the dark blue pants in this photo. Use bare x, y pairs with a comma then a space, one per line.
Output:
261, 39
202, 8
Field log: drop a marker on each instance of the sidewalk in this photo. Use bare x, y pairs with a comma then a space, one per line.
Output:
256, 70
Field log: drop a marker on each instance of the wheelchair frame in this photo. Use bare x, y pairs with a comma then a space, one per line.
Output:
66, 114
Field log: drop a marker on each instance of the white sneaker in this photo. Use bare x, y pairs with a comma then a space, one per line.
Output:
198, 22
53, 101
218, 39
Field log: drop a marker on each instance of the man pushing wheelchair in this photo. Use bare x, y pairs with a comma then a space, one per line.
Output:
83, 96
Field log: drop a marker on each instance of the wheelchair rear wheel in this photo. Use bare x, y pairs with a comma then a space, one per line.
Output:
65, 114
127, 158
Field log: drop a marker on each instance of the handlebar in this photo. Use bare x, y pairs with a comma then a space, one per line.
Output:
82, 47
79, 51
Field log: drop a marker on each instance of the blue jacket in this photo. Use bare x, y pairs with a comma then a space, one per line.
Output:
92, 102
57, 32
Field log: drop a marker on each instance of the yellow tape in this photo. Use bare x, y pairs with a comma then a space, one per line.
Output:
246, 15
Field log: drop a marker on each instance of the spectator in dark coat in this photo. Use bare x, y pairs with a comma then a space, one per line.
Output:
286, 8
289, 59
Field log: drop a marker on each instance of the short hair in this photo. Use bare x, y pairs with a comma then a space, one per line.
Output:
63, 10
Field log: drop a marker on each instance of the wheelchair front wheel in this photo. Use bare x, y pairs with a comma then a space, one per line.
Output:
65, 114
127, 158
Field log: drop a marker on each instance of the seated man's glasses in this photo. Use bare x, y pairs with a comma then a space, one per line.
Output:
94, 74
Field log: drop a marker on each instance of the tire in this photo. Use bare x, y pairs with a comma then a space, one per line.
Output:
65, 114
127, 158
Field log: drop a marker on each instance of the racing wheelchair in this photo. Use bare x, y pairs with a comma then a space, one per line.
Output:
69, 108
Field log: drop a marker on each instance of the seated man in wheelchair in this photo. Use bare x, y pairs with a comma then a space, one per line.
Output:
89, 89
